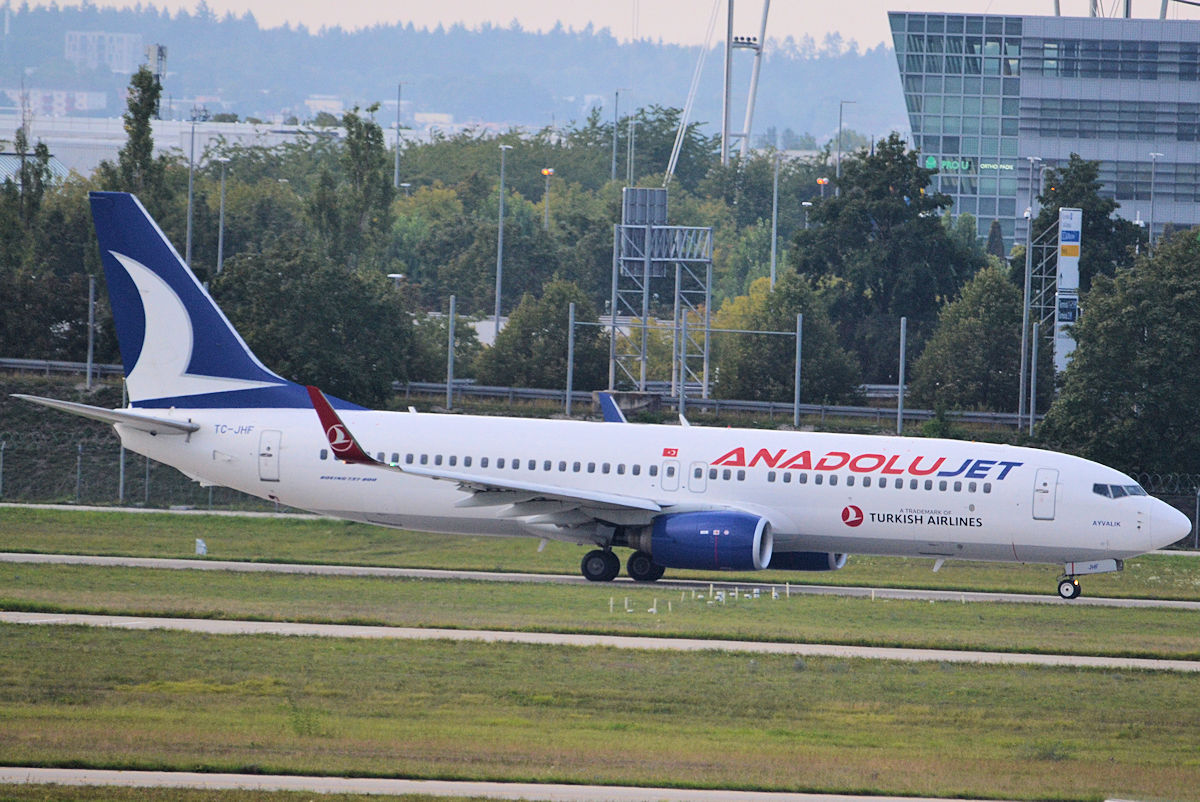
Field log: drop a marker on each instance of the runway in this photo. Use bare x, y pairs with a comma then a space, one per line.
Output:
233, 627
496, 576
365, 785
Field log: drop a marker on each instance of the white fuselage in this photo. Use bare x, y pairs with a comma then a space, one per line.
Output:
857, 494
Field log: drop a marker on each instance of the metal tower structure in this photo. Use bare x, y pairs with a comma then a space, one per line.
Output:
650, 260
755, 45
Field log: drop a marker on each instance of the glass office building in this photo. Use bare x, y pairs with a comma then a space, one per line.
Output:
988, 95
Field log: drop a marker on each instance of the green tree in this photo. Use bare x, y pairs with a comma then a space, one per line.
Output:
1129, 396
1107, 242
762, 367
879, 251
971, 360
137, 170
995, 241
308, 320
531, 351
431, 334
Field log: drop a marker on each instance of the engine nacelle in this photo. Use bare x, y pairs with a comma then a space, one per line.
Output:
735, 541
807, 561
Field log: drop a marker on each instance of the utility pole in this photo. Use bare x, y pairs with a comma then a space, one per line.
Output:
500, 240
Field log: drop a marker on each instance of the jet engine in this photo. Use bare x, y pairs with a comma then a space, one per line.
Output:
807, 561
720, 539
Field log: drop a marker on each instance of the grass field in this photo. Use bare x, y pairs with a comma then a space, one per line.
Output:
1053, 628
329, 541
77, 696
60, 793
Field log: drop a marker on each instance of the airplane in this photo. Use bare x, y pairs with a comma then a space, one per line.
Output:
681, 497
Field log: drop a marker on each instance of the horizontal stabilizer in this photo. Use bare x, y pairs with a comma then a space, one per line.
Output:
136, 420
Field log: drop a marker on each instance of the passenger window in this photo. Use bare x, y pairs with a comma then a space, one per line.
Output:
987, 487
787, 477
818, 479
591, 467
531, 465
424, 459
942, 485
929, 484
562, 466
866, 481
670, 471
575, 467
698, 473
770, 476
637, 469
712, 473
517, 464
483, 462
653, 470
972, 487
500, 462
725, 474
466, 462
324, 453
453, 461
899, 484
802, 479
408, 459
741, 476
437, 459
546, 465
395, 458
849, 481
620, 469
912, 484
605, 468
832, 479
958, 487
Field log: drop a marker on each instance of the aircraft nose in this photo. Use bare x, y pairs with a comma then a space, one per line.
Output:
1168, 524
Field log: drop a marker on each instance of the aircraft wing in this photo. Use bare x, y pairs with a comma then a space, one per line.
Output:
537, 502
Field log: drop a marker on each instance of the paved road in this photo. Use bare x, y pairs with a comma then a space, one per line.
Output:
233, 627
356, 785
493, 576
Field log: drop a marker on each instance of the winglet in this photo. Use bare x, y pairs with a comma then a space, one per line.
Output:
343, 444
612, 412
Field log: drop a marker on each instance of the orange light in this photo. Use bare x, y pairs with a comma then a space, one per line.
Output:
547, 171
822, 180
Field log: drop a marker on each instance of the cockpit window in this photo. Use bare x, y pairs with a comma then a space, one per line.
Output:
1117, 491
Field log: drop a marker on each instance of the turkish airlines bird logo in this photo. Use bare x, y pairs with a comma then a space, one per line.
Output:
339, 438
852, 516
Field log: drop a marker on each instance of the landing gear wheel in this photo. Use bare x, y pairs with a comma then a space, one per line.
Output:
599, 565
1068, 587
642, 568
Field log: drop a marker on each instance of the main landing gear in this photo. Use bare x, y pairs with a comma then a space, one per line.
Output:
601, 565
1068, 587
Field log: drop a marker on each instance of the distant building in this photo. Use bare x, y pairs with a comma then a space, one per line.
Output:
118, 52
988, 93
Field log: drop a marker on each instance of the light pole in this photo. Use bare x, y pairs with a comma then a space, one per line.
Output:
837, 190
396, 166
201, 113
807, 205
774, 215
224, 160
500, 239
1028, 292
1154, 157
405, 186
547, 172
616, 125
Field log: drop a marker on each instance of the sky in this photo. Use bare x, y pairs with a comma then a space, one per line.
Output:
675, 21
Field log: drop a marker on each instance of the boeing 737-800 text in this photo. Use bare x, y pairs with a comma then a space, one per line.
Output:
680, 497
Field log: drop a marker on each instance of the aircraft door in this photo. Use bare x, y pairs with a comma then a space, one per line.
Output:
698, 478
268, 455
670, 475
1045, 489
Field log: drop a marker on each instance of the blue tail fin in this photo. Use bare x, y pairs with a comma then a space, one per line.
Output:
178, 348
